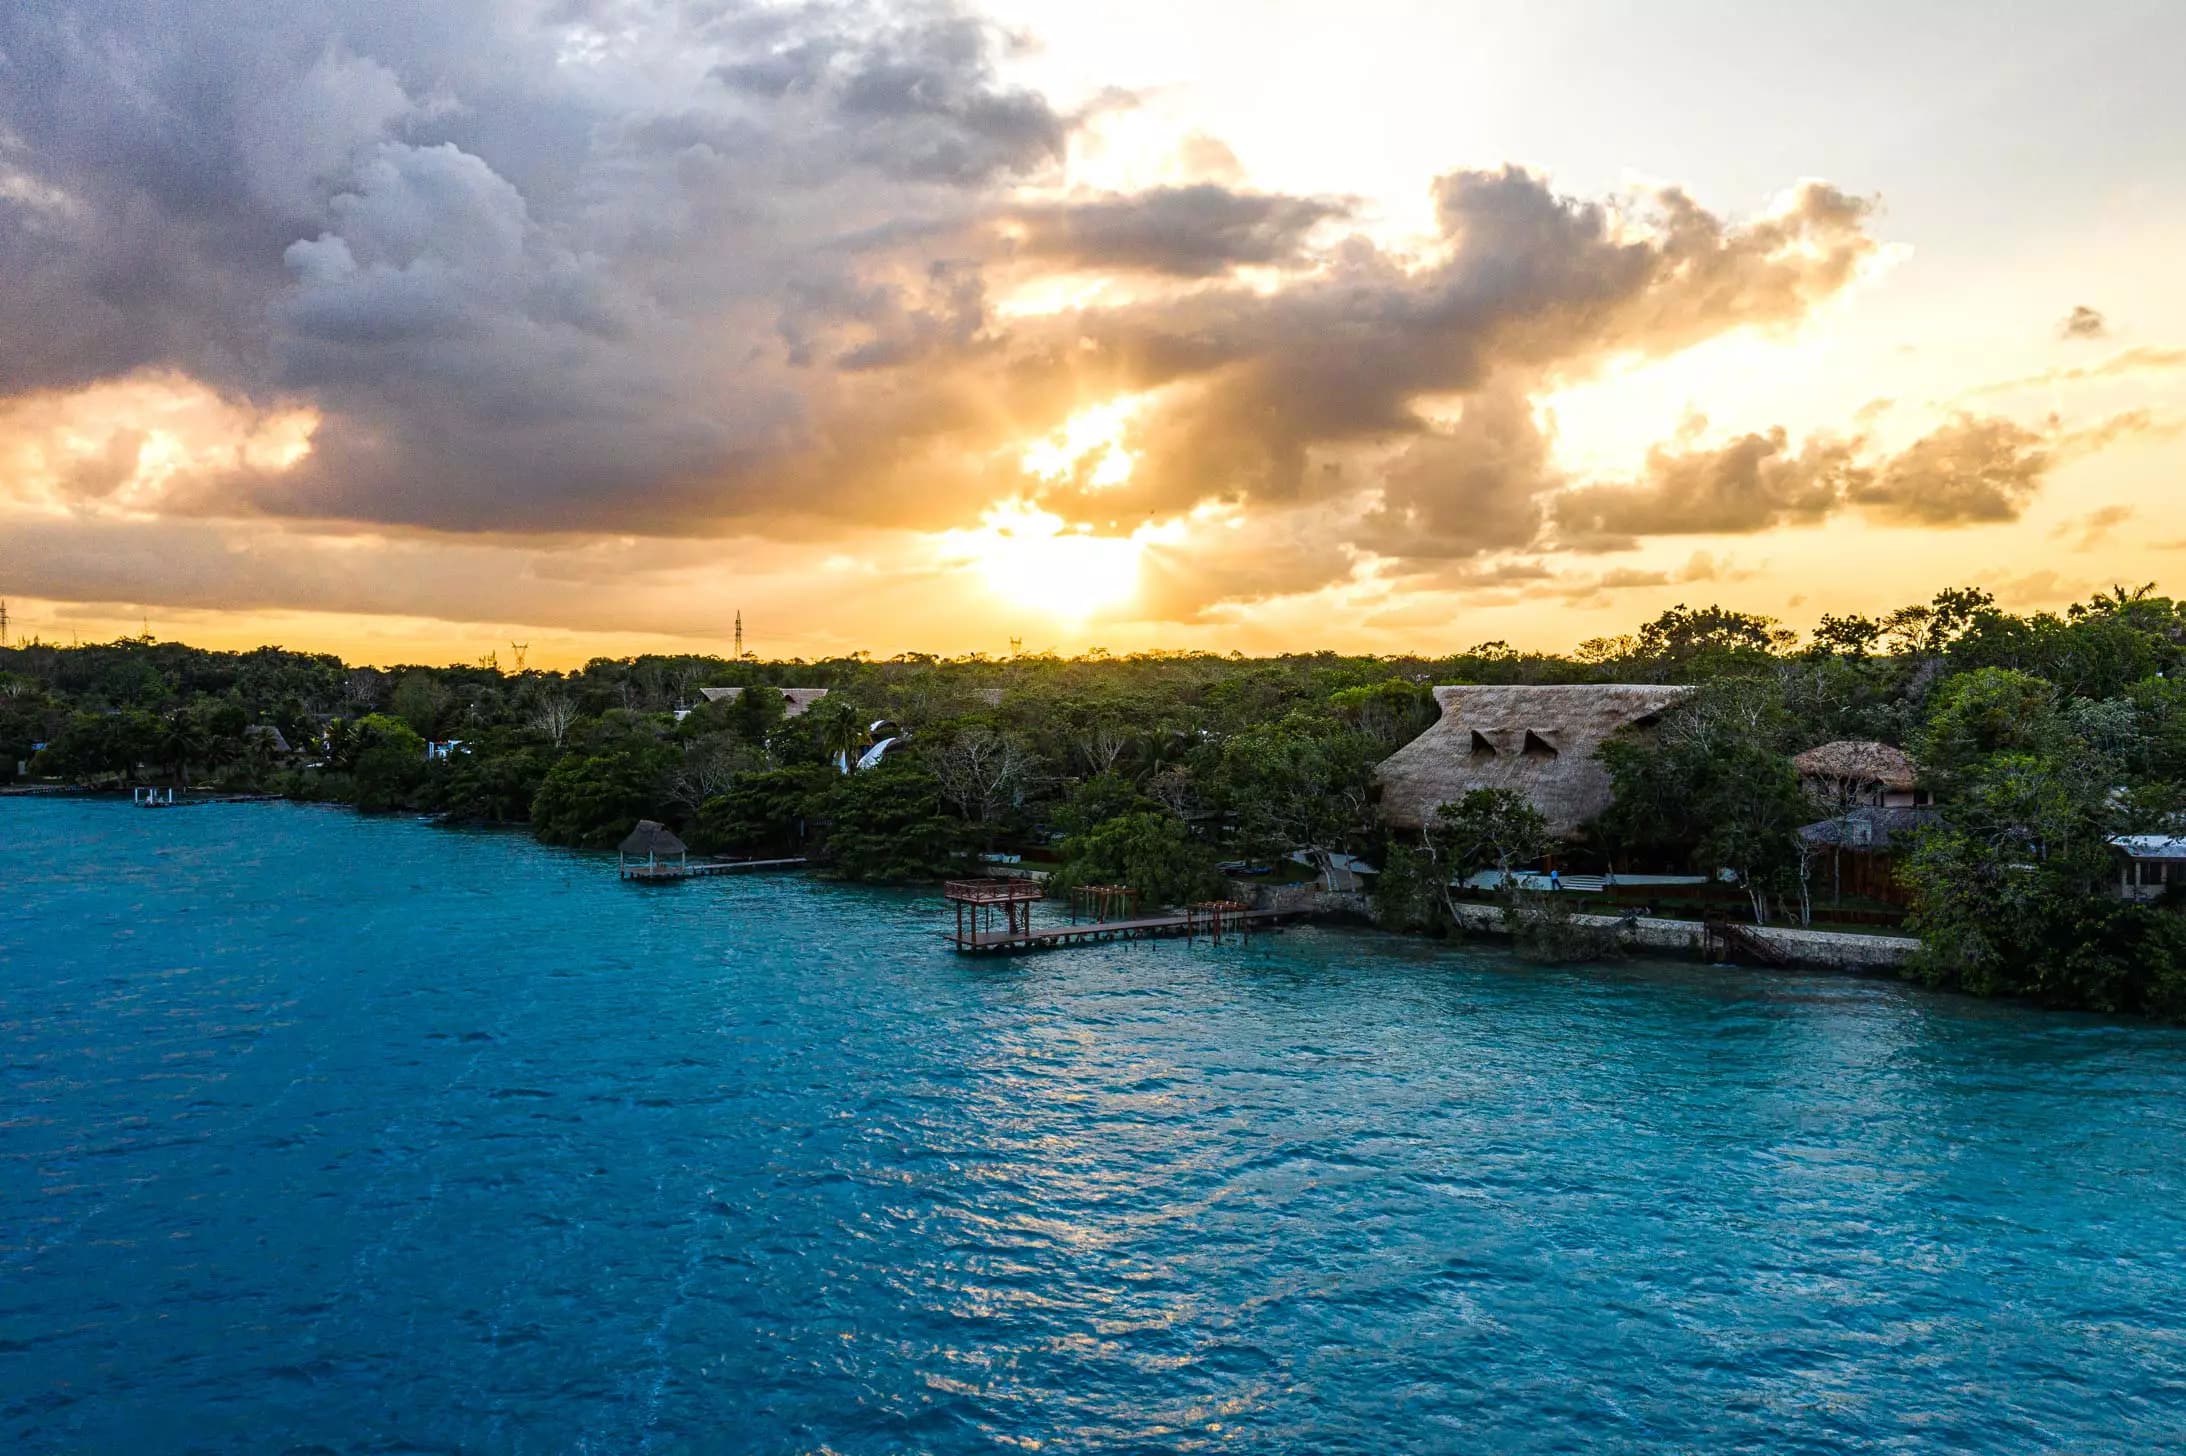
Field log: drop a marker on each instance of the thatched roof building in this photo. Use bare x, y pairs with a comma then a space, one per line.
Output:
650, 840
1537, 741
794, 700
1877, 827
1857, 761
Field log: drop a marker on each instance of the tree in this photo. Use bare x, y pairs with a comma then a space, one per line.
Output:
552, 716
755, 712
1389, 714
1487, 829
837, 730
386, 761
762, 813
979, 770
1150, 852
1302, 783
890, 823
596, 799
1712, 788
709, 767
421, 700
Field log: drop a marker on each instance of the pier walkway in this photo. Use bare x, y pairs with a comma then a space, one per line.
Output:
1179, 925
703, 869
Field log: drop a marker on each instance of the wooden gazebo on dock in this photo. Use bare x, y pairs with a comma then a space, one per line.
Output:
982, 897
656, 842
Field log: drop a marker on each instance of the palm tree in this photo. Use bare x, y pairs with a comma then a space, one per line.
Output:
838, 730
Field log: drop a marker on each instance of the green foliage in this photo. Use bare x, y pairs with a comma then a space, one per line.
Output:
1989, 711
764, 813
1711, 787
421, 701
493, 780
1303, 782
890, 824
596, 799
1099, 799
755, 712
1487, 829
1390, 713
386, 763
1149, 851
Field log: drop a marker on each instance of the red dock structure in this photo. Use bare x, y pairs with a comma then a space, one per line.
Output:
976, 902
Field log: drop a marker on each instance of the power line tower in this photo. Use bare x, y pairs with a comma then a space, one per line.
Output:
520, 648
1017, 647
3, 624
739, 634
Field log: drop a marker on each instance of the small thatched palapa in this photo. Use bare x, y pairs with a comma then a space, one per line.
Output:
1535, 741
1857, 761
794, 700
650, 839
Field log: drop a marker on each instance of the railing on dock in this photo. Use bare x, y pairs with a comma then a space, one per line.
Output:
653, 872
976, 902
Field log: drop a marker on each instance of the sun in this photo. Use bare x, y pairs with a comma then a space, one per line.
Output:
1029, 557
1094, 434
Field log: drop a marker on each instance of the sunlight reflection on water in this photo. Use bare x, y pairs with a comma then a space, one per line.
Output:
326, 1131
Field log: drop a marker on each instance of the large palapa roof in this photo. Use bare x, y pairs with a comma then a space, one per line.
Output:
1857, 761
1534, 740
794, 700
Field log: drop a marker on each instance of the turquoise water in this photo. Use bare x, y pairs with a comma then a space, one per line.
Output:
324, 1133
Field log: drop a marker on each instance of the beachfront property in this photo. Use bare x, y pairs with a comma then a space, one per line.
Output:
1537, 741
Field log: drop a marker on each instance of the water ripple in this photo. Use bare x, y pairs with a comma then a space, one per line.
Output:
325, 1133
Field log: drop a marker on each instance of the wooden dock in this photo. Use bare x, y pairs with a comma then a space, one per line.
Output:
703, 869
151, 799
1179, 925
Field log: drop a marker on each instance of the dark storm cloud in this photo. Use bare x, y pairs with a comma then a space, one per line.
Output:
616, 266
916, 97
1190, 232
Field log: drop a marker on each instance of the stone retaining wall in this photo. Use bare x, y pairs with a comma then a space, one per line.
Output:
1823, 950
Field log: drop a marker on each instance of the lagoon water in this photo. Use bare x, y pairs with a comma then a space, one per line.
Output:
324, 1133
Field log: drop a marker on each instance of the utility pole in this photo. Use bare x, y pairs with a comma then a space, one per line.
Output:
739, 634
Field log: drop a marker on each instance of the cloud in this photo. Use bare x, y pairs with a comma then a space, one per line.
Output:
2094, 528
687, 270
741, 270
1755, 482
1194, 231
2129, 361
2083, 323
1474, 485
1969, 470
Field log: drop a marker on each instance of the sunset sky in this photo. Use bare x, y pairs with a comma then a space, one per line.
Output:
406, 330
